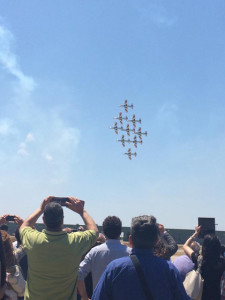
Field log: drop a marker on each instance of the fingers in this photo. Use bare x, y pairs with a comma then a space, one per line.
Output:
46, 201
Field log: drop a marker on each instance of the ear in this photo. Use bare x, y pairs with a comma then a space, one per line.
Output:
130, 241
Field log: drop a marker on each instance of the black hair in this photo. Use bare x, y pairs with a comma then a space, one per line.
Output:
4, 227
211, 249
53, 215
144, 232
112, 227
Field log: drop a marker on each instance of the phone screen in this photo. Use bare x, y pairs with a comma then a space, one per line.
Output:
10, 218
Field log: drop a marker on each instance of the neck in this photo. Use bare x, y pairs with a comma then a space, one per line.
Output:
54, 229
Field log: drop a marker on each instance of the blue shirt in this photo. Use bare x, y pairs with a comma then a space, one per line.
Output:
99, 257
120, 280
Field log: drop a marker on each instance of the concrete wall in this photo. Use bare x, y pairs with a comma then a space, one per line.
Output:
179, 235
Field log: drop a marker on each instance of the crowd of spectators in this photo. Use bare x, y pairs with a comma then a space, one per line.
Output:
66, 264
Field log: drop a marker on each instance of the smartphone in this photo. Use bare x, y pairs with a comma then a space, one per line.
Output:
207, 226
62, 200
10, 218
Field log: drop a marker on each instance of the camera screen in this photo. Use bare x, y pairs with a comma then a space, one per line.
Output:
207, 226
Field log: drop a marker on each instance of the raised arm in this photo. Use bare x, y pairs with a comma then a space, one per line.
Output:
77, 206
32, 219
186, 246
171, 244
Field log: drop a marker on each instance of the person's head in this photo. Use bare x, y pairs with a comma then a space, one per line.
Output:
53, 216
7, 248
144, 232
195, 246
4, 227
160, 248
112, 227
101, 239
211, 248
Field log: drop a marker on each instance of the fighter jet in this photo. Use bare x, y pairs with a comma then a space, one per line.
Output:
123, 141
134, 121
135, 141
125, 105
116, 128
128, 130
120, 118
140, 133
129, 153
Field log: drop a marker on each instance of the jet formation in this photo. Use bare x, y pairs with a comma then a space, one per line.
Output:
137, 133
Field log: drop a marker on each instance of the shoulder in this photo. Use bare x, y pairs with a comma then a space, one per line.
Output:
87, 234
119, 263
28, 231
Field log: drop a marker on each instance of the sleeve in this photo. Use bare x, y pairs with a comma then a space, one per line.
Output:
171, 244
28, 237
86, 265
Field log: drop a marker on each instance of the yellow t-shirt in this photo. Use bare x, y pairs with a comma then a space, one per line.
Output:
53, 262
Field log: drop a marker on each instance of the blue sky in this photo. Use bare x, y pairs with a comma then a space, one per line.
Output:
66, 66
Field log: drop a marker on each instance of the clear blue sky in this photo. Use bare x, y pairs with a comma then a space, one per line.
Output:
66, 66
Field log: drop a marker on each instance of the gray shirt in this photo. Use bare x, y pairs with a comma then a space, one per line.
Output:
99, 257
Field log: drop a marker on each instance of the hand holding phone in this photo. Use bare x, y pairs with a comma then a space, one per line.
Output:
76, 205
10, 218
61, 200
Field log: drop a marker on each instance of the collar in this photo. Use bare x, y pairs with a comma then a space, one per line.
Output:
54, 232
112, 241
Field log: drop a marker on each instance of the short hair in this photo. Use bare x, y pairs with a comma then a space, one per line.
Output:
144, 232
53, 215
195, 246
112, 227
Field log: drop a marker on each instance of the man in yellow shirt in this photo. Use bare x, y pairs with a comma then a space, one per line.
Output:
54, 255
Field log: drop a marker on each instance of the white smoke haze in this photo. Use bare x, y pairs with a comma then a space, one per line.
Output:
10, 62
30, 134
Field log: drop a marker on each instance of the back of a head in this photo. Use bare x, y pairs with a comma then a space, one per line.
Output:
211, 248
53, 215
195, 246
144, 232
7, 248
4, 227
112, 227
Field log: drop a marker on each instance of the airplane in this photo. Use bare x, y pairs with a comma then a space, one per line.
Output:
129, 154
123, 141
140, 133
128, 130
134, 121
116, 128
120, 118
135, 141
125, 105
